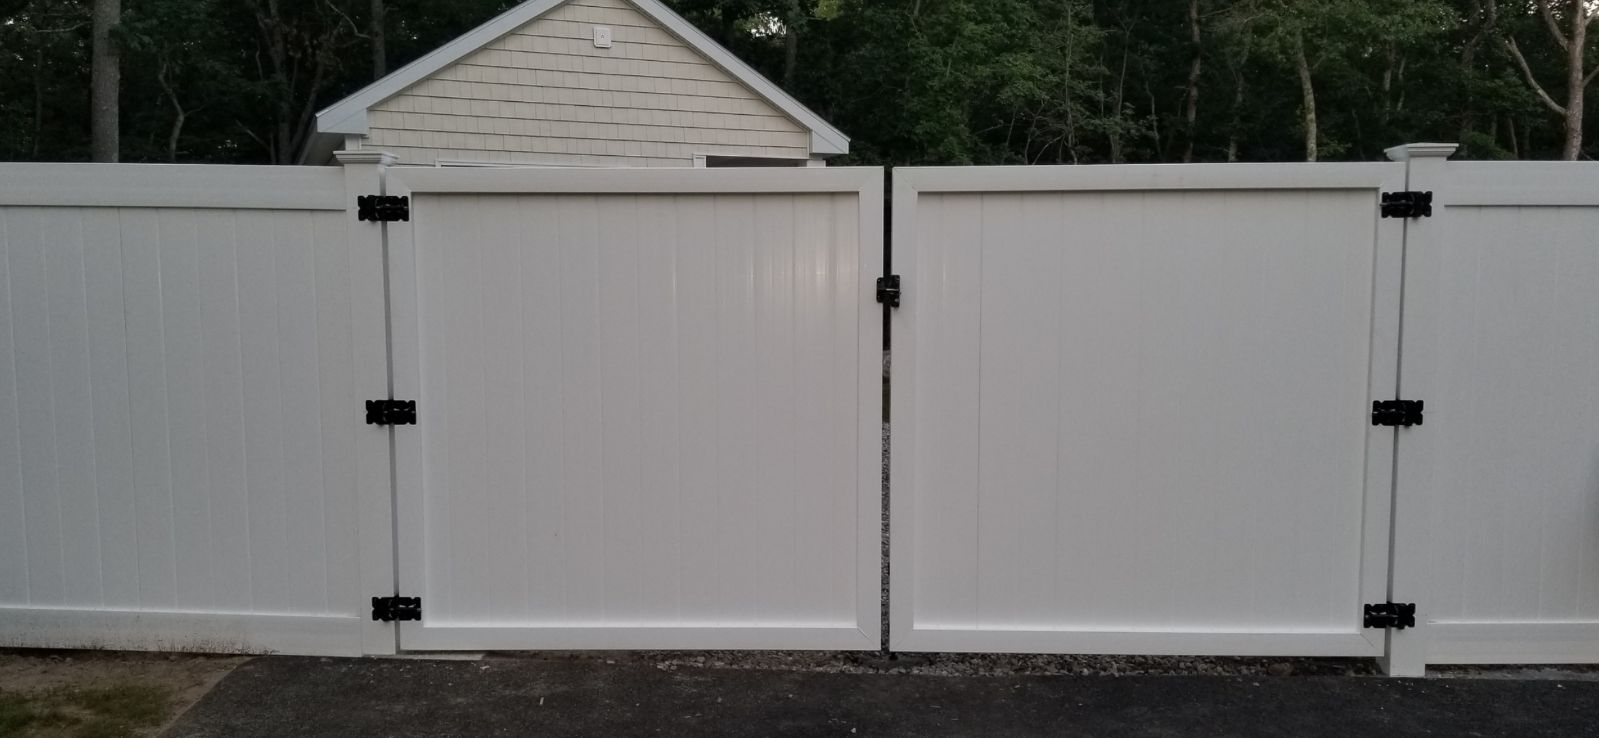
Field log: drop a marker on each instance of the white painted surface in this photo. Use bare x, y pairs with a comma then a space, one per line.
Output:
177, 426
648, 408
1498, 518
1131, 408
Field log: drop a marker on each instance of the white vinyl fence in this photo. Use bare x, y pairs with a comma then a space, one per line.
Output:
1132, 409
1497, 524
649, 411
178, 359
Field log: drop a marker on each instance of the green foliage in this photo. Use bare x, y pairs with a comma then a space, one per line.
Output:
912, 81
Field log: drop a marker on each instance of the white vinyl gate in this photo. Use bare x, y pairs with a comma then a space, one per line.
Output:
648, 407
1132, 408
1497, 522
1131, 411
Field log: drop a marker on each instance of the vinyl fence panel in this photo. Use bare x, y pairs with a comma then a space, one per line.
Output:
1131, 408
647, 408
1497, 537
176, 427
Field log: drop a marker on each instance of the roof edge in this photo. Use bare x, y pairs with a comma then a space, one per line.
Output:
349, 115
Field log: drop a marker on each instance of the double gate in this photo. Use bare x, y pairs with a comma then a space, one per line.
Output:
1132, 409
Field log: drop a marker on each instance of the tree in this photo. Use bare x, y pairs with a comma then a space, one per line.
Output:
1567, 23
379, 34
106, 82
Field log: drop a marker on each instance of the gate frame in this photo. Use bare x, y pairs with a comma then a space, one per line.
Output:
405, 356
1388, 237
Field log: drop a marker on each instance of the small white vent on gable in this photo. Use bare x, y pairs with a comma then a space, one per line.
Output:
602, 37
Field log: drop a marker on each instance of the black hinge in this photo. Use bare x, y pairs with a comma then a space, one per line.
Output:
390, 609
1396, 615
391, 412
1407, 204
383, 208
1397, 412
888, 290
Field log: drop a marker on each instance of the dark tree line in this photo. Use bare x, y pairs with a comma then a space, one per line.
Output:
912, 81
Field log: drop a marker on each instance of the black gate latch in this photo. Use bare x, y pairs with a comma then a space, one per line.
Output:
383, 208
1396, 412
888, 290
391, 412
390, 609
1396, 615
1407, 204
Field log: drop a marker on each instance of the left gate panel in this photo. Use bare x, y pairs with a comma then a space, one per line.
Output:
647, 408
178, 440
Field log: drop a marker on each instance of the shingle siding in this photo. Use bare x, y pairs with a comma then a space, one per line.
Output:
544, 94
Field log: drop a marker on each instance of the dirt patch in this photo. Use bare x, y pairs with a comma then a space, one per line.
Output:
95, 694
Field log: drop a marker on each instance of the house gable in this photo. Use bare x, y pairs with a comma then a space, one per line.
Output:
541, 91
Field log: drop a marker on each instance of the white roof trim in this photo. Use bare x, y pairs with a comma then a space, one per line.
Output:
349, 115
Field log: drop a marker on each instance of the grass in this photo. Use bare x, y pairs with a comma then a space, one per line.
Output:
119, 711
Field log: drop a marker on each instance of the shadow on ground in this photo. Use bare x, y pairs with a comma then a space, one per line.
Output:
346, 697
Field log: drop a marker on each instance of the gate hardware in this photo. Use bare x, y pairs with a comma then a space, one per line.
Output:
1396, 412
391, 412
390, 609
1407, 204
888, 290
1396, 615
383, 208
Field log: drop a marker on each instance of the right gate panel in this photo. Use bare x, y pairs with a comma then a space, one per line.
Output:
1131, 408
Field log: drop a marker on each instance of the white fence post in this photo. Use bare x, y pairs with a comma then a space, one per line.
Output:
364, 173
1425, 169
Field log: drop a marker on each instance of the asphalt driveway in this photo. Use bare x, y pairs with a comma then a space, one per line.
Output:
279, 696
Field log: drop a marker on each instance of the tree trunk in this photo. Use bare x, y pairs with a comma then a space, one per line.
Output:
38, 93
1307, 91
1116, 113
105, 83
380, 51
1191, 112
179, 115
790, 54
1576, 84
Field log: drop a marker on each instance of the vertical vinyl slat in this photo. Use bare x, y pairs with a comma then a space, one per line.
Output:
223, 389
949, 289
469, 498
698, 337
661, 490
1096, 353
147, 392
816, 406
341, 410
502, 221
302, 417
581, 411
184, 356
435, 413
73, 408
35, 416
539, 340
108, 376
775, 411
848, 258
735, 398
14, 549
1018, 426
620, 240
264, 457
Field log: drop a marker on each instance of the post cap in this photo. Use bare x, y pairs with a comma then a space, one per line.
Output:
1422, 151
365, 156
